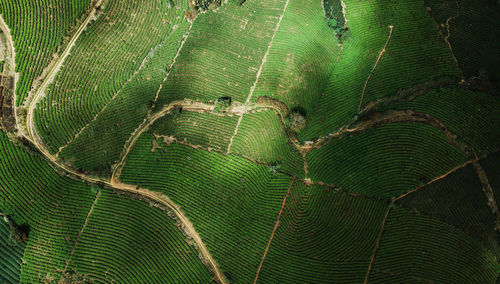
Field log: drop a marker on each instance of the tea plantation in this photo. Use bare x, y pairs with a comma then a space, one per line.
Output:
249, 141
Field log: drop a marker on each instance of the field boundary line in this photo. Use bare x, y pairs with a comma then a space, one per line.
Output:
132, 76
257, 76
391, 28
379, 238
434, 180
52, 73
81, 231
148, 119
276, 225
487, 189
446, 39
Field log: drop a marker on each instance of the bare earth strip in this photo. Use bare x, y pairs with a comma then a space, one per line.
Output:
274, 231
488, 191
33, 137
39, 93
377, 243
391, 28
149, 120
12, 62
257, 76
446, 39
81, 231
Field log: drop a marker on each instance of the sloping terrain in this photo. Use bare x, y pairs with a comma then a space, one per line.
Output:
270, 141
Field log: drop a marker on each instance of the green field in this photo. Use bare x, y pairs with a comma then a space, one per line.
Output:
53, 20
250, 141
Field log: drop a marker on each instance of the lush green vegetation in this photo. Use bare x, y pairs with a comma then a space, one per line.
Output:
313, 243
106, 56
137, 243
206, 69
232, 202
458, 200
415, 53
101, 142
52, 20
421, 249
261, 137
270, 196
473, 35
473, 116
385, 161
11, 252
55, 210
206, 130
303, 54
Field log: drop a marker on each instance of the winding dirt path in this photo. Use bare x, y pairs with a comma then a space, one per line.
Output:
31, 135
391, 28
40, 92
446, 39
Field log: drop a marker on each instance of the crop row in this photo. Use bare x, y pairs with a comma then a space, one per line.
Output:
203, 129
55, 209
100, 144
430, 250
458, 200
324, 236
223, 53
261, 137
10, 264
385, 161
472, 116
474, 45
300, 60
414, 53
38, 29
104, 57
232, 203
128, 241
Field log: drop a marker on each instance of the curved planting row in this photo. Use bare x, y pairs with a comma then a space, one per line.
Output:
261, 137
128, 241
223, 53
11, 252
57, 209
232, 203
53, 207
473, 116
473, 35
201, 129
324, 236
385, 161
105, 56
101, 142
458, 200
432, 251
300, 60
51, 19
415, 53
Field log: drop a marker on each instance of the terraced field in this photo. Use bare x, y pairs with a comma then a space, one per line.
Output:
10, 267
249, 141
53, 20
